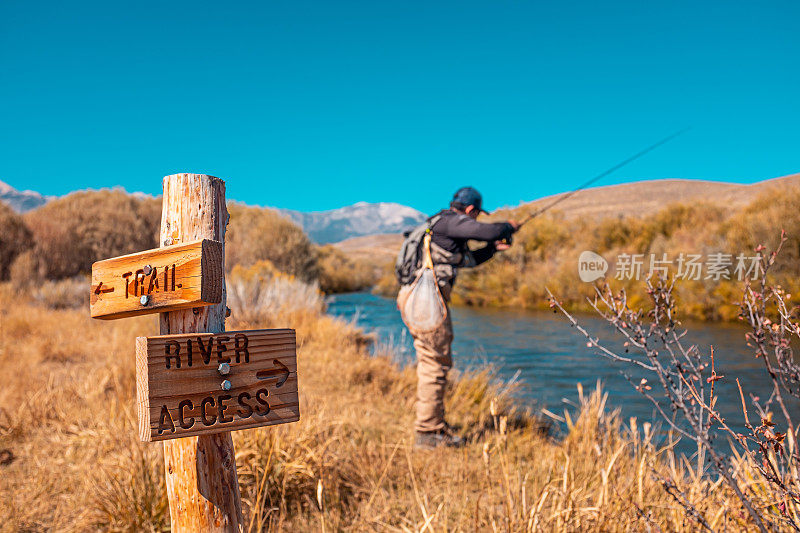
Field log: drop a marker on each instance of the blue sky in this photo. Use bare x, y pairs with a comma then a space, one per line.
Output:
315, 105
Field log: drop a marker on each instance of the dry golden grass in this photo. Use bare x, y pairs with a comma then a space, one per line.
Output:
67, 419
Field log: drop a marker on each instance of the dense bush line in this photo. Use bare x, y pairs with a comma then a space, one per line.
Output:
64, 237
546, 251
70, 233
258, 234
340, 273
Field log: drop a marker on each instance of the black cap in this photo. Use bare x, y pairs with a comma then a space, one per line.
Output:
469, 196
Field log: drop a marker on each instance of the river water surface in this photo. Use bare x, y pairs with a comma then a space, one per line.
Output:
548, 357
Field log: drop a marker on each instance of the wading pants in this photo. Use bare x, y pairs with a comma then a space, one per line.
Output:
434, 360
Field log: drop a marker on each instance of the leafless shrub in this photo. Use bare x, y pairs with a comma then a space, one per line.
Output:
758, 462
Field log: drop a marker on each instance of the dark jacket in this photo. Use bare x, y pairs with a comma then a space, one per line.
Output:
454, 229
449, 249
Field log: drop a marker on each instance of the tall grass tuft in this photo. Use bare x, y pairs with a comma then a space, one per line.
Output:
260, 290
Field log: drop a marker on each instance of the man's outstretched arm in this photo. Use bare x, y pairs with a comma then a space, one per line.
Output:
464, 227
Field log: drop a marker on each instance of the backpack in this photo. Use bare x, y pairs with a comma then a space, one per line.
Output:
410, 257
424, 309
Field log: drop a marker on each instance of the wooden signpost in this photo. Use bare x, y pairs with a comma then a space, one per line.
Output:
165, 279
203, 383
195, 382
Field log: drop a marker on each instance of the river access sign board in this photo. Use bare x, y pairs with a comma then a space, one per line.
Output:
159, 280
198, 383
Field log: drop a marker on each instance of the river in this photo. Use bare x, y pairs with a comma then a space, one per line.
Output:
548, 358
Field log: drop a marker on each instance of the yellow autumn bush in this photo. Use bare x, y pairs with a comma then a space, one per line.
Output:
261, 234
72, 232
546, 250
15, 238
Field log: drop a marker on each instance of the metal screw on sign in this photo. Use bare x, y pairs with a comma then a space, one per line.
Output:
226, 385
224, 368
144, 300
147, 270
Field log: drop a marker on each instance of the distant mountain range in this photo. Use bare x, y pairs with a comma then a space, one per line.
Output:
356, 220
365, 219
21, 201
322, 226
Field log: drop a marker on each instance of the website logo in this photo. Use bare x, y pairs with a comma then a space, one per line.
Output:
591, 266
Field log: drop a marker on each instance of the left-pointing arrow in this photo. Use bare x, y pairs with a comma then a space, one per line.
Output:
100, 290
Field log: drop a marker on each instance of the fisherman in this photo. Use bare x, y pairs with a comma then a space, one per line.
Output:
449, 230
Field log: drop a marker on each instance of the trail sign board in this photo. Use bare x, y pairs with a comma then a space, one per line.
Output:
163, 279
200, 383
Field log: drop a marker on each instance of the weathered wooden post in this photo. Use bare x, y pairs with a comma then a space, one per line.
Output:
195, 383
201, 471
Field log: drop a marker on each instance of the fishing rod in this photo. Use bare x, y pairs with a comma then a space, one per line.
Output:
602, 175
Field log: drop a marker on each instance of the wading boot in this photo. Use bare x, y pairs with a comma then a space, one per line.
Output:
435, 439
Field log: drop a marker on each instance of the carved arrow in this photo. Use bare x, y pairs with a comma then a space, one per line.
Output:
281, 370
99, 290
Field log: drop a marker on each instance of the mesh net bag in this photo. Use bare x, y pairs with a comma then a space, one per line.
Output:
425, 309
